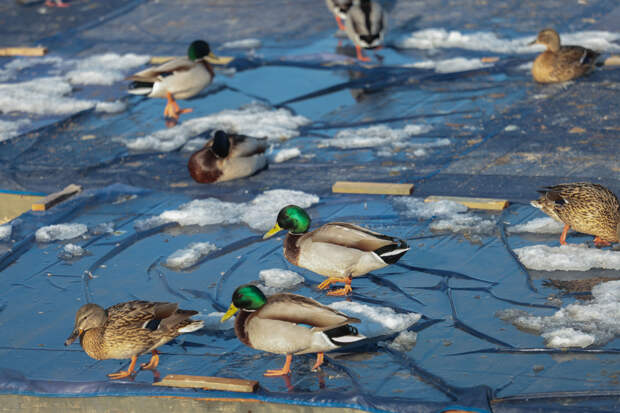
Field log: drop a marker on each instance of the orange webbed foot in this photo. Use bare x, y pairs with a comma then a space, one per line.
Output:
127, 373
152, 364
330, 280
342, 291
600, 243
319, 361
283, 371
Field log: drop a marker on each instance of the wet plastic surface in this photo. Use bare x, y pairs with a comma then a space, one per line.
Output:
464, 354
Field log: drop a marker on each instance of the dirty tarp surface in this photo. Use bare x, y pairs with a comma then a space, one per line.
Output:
464, 354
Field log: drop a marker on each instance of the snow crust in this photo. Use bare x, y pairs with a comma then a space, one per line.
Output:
60, 232
186, 257
376, 320
572, 257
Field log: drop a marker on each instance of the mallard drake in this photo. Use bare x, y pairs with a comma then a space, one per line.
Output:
365, 25
560, 63
339, 8
127, 330
227, 156
584, 207
274, 324
180, 78
338, 250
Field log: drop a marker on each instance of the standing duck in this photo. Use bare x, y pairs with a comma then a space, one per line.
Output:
560, 63
288, 324
180, 78
227, 156
130, 329
365, 25
584, 207
339, 8
338, 250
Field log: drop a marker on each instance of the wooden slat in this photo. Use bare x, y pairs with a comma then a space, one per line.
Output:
613, 60
377, 188
208, 383
474, 203
23, 51
52, 199
13, 205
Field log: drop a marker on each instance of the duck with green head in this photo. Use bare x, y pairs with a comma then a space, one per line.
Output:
180, 78
288, 324
338, 250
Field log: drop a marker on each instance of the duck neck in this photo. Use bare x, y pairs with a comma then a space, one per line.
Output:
91, 341
209, 68
291, 247
240, 326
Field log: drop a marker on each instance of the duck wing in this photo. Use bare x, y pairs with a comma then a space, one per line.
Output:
146, 314
242, 146
352, 236
152, 74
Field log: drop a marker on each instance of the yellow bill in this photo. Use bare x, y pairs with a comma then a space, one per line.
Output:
231, 312
276, 228
218, 60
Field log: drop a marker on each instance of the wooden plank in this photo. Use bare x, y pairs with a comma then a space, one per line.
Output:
53, 199
23, 51
209, 383
613, 60
474, 203
13, 204
376, 188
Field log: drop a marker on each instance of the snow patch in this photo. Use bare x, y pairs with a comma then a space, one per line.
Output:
276, 280
104, 69
545, 225
404, 341
378, 135
242, 44
255, 120
10, 129
111, 107
457, 64
5, 232
574, 257
286, 154
376, 320
576, 325
71, 251
186, 257
60, 232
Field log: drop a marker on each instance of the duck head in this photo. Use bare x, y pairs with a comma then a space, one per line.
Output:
292, 218
246, 297
87, 317
549, 38
221, 144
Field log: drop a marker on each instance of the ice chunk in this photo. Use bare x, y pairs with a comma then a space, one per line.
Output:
5, 232
276, 280
185, 258
10, 129
457, 64
573, 257
104, 69
253, 120
111, 107
71, 251
284, 155
377, 135
433, 38
103, 228
376, 320
545, 225
576, 325
242, 44
260, 213
60, 232
404, 341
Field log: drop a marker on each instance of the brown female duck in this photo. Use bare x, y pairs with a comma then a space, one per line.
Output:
584, 207
130, 329
561, 63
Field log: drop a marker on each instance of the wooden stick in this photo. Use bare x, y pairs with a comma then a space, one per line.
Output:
23, 51
209, 383
53, 199
377, 188
474, 203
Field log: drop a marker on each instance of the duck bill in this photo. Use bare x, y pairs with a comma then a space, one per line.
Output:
75, 334
276, 228
231, 312
218, 60
533, 42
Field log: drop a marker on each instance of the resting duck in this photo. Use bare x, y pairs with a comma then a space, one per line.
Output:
584, 207
227, 156
130, 329
180, 78
365, 25
339, 8
561, 63
338, 250
276, 324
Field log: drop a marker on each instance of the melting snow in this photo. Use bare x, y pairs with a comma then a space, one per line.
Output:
276, 280
242, 44
576, 325
104, 69
253, 120
545, 225
5, 232
429, 39
457, 64
376, 320
404, 341
378, 135
71, 250
10, 129
573, 257
260, 213
186, 257
60, 232
284, 155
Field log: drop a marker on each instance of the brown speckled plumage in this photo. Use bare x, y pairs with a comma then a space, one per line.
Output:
561, 63
584, 207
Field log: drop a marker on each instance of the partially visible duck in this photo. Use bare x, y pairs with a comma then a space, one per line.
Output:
584, 207
127, 330
561, 63
288, 324
339, 8
227, 156
338, 250
366, 25
180, 78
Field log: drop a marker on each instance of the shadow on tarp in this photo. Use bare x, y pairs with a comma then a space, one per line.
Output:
461, 357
